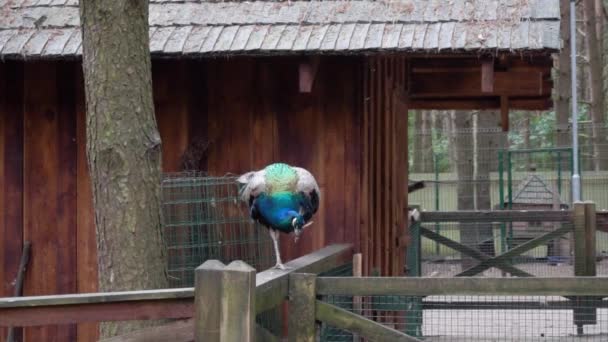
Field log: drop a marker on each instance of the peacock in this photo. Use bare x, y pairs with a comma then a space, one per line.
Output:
281, 197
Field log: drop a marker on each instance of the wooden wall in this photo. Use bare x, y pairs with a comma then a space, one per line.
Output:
350, 131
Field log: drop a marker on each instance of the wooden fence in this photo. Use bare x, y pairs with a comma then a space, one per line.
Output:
582, 221
226, 298
265, 290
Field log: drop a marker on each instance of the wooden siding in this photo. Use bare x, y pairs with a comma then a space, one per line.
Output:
349, 131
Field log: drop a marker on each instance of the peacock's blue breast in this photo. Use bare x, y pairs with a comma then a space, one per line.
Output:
278, 209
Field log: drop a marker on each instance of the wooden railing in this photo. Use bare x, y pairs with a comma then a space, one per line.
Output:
214, 282
579, 288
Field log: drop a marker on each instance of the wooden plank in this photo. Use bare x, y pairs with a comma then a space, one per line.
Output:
353, 145
487, 76
524, 247
302, 307
360, 325
272, 285
469, 84
96, 312
49, 189
512, 305
11, 176
365, 169
474, 286
336, 110
86, 239
101, 297
377, 165
496, 216
471, 252
65, 229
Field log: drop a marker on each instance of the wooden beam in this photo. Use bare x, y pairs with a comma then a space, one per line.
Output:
472, 252
524, 247
272, 286
467, 84
496, 216
342, 319
97, 298
307, 73
487, 76
474, 286
504, 113
438, 102
21, 316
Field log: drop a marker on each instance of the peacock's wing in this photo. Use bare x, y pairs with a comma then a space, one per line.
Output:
306, 181
252, 184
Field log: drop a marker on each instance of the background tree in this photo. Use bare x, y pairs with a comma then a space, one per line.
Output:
123, 148
593, 44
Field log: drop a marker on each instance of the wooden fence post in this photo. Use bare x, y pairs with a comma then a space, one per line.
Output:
584, 259
238, 303
302, 295
207, 301
224, 304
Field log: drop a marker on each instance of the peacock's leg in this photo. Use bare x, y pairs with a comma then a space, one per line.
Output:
274, 234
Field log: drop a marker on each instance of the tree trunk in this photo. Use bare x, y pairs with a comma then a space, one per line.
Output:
597, 101
488, 143
417, 153
464, 168
123, 148
564, 75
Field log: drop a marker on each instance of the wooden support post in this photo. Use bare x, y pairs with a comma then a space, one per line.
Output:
307, 72
590, 235
584, 260
302, 287
224, 302
504, 113
579, 239
357, 303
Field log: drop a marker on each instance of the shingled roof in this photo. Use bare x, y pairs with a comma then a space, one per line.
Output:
50, 28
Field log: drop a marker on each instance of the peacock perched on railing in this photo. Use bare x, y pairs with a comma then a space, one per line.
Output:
282, 198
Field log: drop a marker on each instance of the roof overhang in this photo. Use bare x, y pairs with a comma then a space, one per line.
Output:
500, 82
45, 29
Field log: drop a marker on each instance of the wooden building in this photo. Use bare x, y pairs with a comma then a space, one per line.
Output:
321, 84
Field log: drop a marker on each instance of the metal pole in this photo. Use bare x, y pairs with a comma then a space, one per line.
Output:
576, 178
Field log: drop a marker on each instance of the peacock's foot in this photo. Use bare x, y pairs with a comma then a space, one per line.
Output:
280, 266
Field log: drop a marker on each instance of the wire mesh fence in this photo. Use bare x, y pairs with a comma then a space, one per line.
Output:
202, 219
478, 168
468, 244
482, 318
